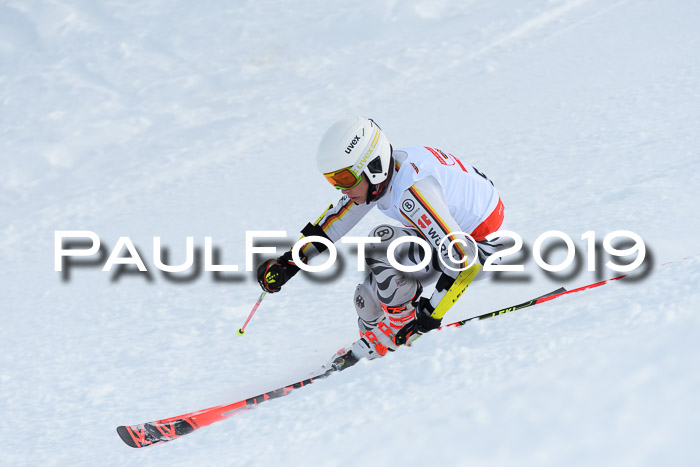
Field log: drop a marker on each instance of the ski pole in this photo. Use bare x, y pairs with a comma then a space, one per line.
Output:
241, 330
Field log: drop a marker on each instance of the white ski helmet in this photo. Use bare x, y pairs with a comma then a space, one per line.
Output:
351, 147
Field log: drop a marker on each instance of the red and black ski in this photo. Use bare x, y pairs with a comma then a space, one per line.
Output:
161, 431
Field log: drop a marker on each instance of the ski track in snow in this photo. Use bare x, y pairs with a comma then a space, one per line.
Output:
538, 22
178, 119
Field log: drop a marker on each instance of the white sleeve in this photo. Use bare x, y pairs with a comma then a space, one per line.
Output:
335, 222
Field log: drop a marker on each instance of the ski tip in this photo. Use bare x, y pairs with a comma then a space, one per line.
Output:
241, 332
124, 435
560, 290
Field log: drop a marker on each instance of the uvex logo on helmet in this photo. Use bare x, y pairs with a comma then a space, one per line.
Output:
352, 144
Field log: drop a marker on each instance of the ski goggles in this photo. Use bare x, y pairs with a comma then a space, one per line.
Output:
343, 179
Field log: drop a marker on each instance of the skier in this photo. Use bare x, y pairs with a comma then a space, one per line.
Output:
435, 196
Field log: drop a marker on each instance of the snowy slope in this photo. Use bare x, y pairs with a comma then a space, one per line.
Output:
175, 119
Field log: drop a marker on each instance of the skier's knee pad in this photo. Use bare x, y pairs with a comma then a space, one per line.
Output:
377, 251
385, 232
408, 253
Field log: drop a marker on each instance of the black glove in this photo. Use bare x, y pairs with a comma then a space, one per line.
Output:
274, 273
422, 324
423, 319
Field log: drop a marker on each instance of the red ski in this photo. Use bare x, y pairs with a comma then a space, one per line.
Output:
161, 431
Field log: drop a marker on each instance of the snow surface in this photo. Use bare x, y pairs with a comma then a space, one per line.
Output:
178, 118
